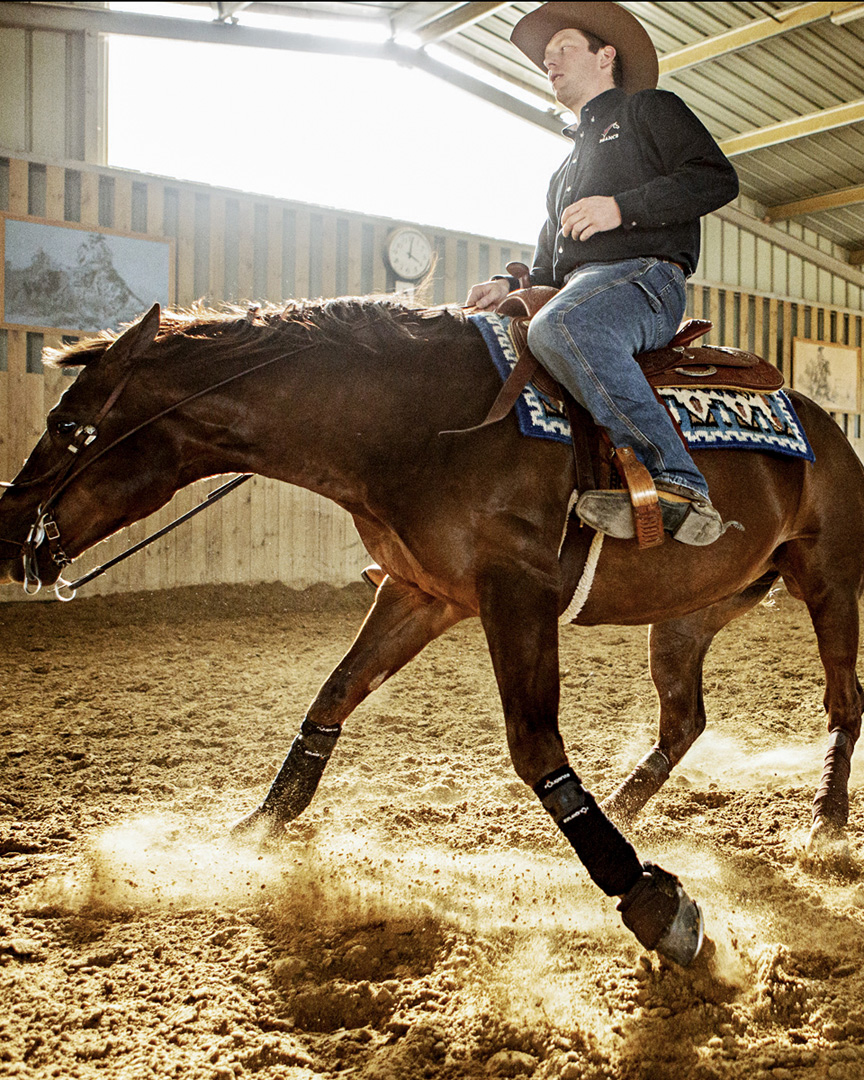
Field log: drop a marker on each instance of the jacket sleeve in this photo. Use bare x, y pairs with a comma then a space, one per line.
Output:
696, 177
542, 272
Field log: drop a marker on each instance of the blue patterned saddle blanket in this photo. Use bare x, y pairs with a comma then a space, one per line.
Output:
708, 419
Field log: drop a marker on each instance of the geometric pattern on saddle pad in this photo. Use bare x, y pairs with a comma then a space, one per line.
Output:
737, 420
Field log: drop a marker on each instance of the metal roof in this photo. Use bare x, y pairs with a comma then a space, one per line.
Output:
779, 85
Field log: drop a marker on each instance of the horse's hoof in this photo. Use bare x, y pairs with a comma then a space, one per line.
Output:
663, 917
257, 827
682, 942
826, 837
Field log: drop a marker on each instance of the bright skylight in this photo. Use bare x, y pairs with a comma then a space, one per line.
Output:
346, 132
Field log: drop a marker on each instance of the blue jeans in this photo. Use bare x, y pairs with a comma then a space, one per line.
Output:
587, 336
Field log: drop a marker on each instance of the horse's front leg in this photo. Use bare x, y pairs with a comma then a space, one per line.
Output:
519, 614
402, 621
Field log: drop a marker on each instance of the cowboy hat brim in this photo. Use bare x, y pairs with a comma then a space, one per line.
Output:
608, 21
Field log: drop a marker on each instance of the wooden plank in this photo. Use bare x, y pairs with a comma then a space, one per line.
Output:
714, 316
274, 253
155, 208
217, 249
328, 259
759, 328
355, 256
773, 354
19, 184
729, 335
55, 192
123, 203
301, 255
744, 341
48, 110
89, 198
246, 265
786, 359
13, 100
186, 248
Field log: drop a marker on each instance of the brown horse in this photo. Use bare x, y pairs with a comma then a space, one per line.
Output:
348, 398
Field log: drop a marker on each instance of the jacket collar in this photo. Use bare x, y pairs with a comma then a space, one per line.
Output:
597, 109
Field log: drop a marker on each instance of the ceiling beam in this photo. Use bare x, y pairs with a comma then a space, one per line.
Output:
100, 20
740, 37
851, 112
454, 21
830, 200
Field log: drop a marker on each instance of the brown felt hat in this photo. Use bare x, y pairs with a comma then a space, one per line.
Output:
607, 21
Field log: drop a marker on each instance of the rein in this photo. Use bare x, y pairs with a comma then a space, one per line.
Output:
45, 528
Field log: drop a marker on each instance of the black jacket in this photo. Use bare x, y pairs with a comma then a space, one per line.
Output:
662, 166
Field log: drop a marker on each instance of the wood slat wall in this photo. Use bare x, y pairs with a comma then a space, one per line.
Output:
238, 247
235, 247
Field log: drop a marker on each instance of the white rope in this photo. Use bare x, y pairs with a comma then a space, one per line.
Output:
580, 596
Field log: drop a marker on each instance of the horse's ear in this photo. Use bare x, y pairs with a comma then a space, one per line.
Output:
134, 341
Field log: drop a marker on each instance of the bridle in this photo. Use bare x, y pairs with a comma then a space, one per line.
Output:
45, 530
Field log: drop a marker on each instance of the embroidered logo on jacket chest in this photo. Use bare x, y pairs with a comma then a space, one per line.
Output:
610, 133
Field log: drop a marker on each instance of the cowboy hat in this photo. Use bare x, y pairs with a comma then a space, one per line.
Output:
610, 22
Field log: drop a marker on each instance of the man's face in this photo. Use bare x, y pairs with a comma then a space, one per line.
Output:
571, 65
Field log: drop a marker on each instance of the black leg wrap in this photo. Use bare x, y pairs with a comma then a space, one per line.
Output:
295, 783
832, 798
662, 916
609, 859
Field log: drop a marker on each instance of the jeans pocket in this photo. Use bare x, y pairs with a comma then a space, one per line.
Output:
663, 285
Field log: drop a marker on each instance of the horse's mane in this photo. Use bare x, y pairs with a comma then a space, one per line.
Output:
370, 322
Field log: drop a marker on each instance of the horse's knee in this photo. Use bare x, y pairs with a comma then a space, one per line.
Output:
535, 755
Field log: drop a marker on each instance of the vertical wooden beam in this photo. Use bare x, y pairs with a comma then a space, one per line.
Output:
186, 247
19, 186
246, 268
55, 192
89, 198
274, 253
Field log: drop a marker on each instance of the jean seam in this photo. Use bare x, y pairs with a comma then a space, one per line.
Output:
625, 420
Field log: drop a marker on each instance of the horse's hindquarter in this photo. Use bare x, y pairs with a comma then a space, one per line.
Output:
775, 499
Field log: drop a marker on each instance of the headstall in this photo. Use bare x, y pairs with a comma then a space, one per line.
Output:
45, 530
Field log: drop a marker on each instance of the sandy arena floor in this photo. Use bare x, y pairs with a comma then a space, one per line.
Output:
423, 919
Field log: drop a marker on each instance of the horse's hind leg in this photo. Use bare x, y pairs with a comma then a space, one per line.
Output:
678, 648
402, 621
833, 607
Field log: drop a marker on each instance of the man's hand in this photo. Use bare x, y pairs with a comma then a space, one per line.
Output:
488, 294
597, 213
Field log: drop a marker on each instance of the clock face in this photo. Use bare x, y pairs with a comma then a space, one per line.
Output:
409, 253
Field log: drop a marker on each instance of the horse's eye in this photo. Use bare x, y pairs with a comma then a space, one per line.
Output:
65, 427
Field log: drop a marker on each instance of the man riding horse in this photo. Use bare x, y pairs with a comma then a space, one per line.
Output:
620, 239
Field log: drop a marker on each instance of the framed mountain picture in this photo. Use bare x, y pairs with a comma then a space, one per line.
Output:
65, 277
